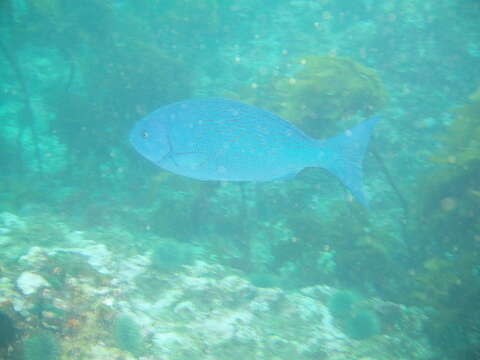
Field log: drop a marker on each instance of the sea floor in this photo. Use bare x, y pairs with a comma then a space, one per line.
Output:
100, 302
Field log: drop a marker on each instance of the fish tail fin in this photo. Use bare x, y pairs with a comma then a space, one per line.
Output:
343, 155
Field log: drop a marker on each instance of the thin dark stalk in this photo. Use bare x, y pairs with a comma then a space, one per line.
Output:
71, 69
383, 167
396, 190
29, 115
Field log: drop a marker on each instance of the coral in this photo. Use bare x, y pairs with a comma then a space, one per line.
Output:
7, 330
341, 303
362, 325
127, 335
170, 254
41, 346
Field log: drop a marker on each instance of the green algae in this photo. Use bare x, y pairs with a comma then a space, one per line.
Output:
341, 303
41, 345
363, 325
170, 255
127, 335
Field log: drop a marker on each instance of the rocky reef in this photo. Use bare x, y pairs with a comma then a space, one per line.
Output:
98, 302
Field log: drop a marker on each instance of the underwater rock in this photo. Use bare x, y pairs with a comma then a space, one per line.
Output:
11, 221
167, 342
318, 292
266, 300
277, 344
164, 303
261, 323
102, 352
197, 286
19, 303
99, 257
29, 283
202, 310
186, 309
203, 269
129, 270
236, 290
314, 349
35, 257
4, 240
75, 237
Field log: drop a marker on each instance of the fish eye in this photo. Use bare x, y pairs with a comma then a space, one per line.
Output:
145, 134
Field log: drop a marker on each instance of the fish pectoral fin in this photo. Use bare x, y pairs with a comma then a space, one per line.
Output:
190, 160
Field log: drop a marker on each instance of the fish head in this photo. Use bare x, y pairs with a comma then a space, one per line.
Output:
150, 138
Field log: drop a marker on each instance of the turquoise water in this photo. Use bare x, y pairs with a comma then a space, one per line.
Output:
103, 255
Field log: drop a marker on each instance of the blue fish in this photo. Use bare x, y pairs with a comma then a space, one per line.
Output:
222, 139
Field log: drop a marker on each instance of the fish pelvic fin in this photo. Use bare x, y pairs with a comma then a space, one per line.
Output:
343, 156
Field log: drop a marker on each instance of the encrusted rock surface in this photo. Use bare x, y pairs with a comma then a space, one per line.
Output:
202, 311
29, 283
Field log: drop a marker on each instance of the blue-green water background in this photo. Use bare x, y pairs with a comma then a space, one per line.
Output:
76, 75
